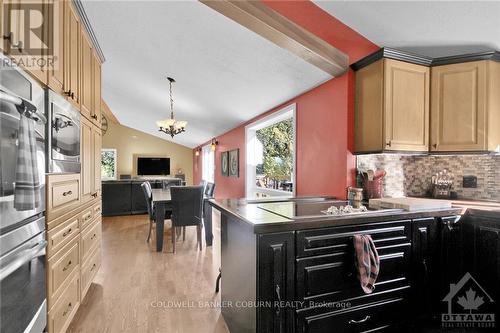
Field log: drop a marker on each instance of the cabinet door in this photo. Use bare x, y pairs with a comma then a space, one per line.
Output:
5, 23
425, 266
368, 108
57, 19
97, 143
406, 105
72, 55
276, 275
86, 103
458, 107
486, 256
87, 159
96, 116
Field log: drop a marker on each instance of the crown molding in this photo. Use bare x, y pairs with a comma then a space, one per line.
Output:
86, 23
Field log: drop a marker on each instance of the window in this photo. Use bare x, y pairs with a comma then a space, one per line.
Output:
208, 164
108, 164
270, 157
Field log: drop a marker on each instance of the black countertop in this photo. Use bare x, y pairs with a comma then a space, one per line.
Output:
263, 221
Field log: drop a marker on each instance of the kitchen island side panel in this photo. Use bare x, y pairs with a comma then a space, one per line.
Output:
238, 283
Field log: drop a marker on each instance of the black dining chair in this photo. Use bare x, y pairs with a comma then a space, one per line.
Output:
209, 190
148, 195
187, 210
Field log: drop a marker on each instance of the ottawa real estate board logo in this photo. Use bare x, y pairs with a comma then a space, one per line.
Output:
469, 305
28, 29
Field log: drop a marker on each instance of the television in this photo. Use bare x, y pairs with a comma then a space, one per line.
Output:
153, 166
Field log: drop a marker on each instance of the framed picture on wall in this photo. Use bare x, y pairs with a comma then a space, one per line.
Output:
234, 163
224, 163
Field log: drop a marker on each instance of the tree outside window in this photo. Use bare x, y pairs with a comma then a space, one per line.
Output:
275, 171
108, 164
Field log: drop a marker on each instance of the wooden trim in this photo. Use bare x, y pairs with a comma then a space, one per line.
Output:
412, 58
108, 113
276, 28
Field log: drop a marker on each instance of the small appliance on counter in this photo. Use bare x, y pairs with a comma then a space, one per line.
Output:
442, 183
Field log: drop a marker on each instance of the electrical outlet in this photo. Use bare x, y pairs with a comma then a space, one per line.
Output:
470, 182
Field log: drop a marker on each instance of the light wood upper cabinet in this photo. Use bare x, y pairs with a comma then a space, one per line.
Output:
392, 107
72, 35
86, 102
465, 107
96, 116
90, 160
56, 74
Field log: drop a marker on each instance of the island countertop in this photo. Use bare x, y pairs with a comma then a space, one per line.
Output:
264, 221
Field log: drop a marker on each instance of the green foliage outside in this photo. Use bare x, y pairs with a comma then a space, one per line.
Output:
108, 164
277, 142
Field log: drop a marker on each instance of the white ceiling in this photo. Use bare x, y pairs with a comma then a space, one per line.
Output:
225, 73
435, 29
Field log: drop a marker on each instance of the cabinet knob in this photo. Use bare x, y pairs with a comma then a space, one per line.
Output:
67, 193
435, 145
388, 144
94, 116
72, 95
67, 92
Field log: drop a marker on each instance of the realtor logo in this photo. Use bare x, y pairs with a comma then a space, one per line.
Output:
468, 305
28, 33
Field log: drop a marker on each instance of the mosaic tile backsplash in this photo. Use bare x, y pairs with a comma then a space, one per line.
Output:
410, 175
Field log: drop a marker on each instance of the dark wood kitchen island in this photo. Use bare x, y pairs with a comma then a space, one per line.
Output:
291, 269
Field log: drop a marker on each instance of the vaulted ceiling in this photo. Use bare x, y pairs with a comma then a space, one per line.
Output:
225, 73
428, 28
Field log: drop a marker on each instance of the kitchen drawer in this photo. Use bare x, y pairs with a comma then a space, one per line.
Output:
60, 268
90, 238
333, 277
98, 208
377, 316
61, 235
60, 316
86, 217
63, 194
90, 269
340, 239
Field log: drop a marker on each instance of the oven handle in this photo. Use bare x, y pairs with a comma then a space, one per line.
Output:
25, 256
23, 106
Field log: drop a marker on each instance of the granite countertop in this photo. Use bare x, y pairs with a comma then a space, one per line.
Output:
264, 221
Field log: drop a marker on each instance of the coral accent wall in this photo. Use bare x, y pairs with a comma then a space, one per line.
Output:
325, 116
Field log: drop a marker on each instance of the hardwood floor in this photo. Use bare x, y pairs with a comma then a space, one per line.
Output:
136, 287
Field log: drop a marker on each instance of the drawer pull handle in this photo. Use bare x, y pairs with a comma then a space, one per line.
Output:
67, 232
67, 266
93, 236
93, 266
67, 309
94, 195
352, 321
67, 193
87, 217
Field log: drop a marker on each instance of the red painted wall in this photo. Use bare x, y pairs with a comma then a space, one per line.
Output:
325, 116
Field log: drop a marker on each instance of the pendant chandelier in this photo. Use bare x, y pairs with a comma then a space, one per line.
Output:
171, 126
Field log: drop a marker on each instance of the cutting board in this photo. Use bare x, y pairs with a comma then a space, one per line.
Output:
409, 204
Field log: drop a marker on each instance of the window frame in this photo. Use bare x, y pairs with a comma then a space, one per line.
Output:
287, 112
114, 150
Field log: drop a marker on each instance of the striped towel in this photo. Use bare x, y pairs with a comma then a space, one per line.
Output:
367, 262
27, 189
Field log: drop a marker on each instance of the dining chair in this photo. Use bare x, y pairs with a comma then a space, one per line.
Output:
148, 195
204, 184
187, 210
209, 190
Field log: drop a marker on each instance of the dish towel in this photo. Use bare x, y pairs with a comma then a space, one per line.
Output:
27, 188
367, 262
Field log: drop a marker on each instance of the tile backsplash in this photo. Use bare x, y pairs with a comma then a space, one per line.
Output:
410, 175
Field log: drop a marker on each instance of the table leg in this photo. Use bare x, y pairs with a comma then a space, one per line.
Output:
160, 223
207, 221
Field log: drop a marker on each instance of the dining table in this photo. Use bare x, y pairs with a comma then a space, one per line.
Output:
161, 201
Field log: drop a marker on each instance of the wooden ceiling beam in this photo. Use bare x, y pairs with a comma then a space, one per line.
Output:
276, 28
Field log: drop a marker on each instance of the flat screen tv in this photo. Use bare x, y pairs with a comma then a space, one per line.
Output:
153, 166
